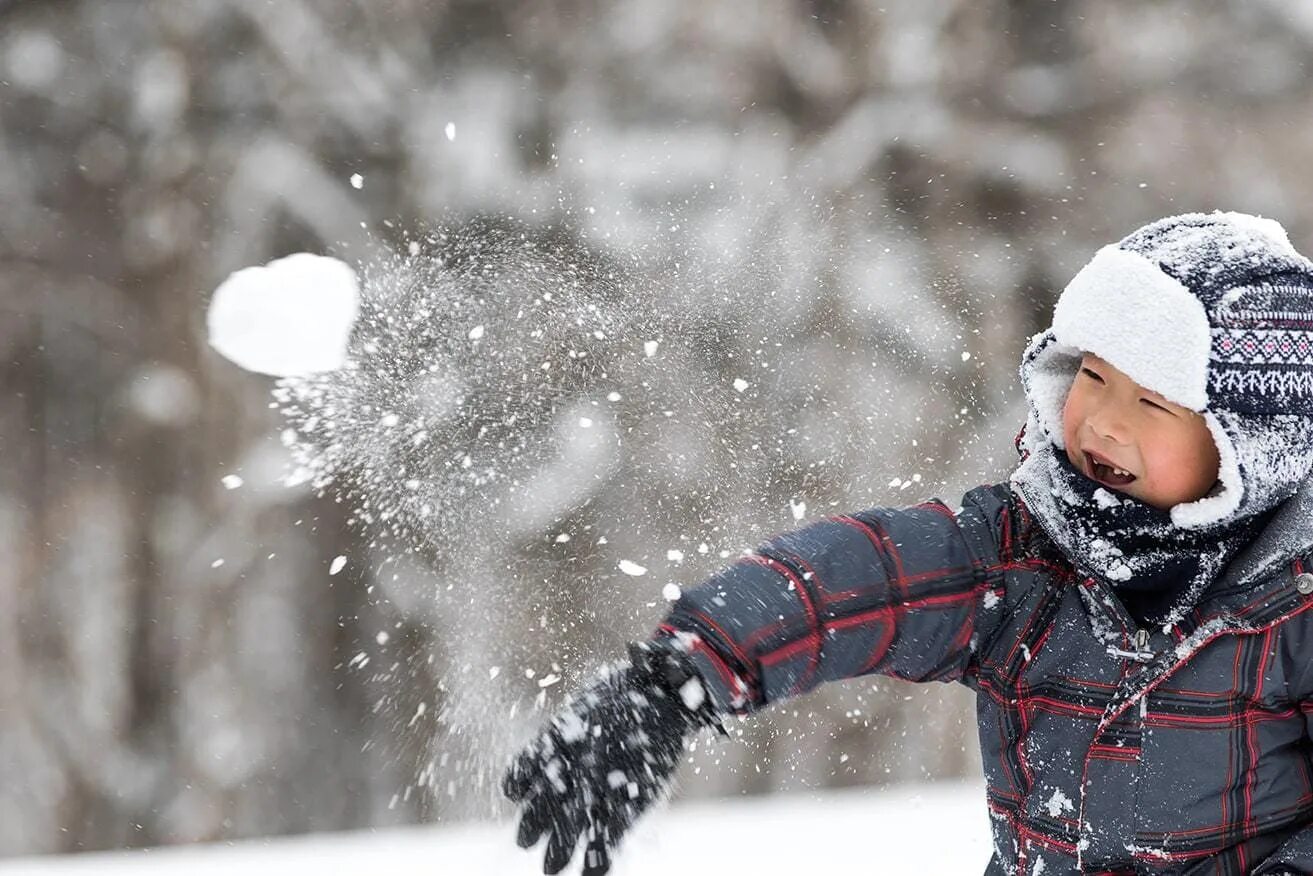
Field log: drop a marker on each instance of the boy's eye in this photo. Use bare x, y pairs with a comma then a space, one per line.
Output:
1153, 404
1091, 374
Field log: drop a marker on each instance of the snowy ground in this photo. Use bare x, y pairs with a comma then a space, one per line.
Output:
936, 828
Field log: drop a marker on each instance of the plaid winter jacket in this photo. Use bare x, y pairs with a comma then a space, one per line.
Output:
1107, 749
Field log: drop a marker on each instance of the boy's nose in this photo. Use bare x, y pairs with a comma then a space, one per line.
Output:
1109, 426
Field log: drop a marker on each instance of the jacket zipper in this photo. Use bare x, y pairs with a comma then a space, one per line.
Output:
1141, 654
1142, 646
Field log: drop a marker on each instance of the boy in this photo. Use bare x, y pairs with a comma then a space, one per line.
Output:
1132, 608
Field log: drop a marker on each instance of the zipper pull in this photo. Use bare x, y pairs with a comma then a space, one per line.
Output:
1141, 654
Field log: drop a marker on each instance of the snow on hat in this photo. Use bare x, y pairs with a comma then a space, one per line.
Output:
1213, 311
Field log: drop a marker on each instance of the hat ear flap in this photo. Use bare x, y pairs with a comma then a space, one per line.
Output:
1224, 499
1048, 369
1262, 459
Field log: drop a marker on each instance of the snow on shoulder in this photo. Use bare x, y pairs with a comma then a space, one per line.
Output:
290, 317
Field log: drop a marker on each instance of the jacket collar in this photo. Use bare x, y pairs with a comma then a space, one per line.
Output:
1287, 536
1256, 591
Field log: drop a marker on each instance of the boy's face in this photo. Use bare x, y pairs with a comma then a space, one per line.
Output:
1135, 441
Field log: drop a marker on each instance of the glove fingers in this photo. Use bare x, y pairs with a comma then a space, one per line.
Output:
600, 764
533, 823
597, 857
561, 840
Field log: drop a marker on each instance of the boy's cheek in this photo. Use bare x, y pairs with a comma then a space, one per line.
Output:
1069, 424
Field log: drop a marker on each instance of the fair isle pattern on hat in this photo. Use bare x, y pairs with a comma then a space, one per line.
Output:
1257, 292
1262, 348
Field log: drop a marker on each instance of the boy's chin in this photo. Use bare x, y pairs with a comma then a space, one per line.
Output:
1129, 491
1119, 492
1089, 469
1132, 490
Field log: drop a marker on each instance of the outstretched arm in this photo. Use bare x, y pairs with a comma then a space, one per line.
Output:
893, 591
899, 591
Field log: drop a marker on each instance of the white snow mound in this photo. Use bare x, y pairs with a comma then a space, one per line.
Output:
291, 317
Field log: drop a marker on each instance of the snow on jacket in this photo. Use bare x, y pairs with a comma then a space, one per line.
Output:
1106, 749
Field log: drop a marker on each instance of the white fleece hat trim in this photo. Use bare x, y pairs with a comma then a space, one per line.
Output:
1223, 502
1126, 310
1048, 381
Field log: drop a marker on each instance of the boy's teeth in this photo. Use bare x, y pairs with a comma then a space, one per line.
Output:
1112, 471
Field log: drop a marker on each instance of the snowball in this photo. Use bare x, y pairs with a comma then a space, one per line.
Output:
357, 181
632, 568
291, 317
451, 130
740, 384
674, 556
336, 565
476, 333
232, 482
671, 592
798, 509
382, 637
650, 348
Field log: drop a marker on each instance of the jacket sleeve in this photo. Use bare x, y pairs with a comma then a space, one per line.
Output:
905, 592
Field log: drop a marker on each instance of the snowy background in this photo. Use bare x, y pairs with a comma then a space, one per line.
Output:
813, 236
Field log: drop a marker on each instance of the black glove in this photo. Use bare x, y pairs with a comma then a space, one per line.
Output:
607, 756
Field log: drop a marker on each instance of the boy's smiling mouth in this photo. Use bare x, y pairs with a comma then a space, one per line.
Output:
1103, 470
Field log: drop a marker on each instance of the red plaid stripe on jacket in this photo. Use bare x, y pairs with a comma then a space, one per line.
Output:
1107, 749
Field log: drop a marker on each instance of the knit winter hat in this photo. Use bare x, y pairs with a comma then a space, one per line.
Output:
1215, 313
